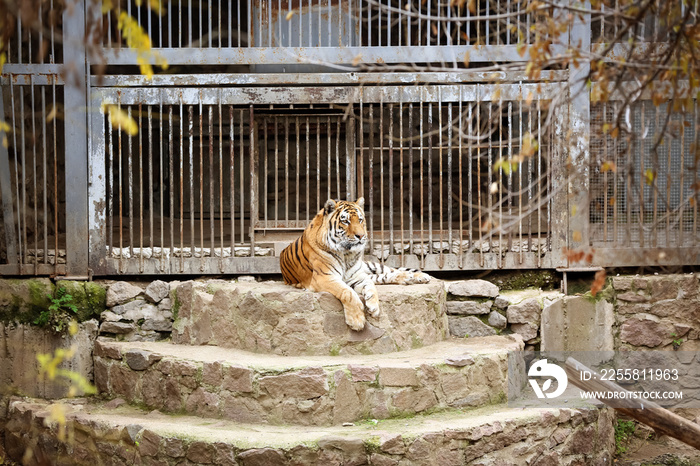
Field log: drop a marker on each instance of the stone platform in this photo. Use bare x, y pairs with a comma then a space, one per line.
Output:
102, 434
311, 390
279, 319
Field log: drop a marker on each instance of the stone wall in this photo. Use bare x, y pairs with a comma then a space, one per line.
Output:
657, 312
478, 308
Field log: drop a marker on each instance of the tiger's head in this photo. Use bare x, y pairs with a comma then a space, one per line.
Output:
347, 230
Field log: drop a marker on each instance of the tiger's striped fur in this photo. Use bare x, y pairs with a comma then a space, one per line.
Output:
329, 256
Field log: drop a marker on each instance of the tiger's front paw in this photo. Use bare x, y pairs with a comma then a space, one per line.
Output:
355, 315
373, 309
417, 277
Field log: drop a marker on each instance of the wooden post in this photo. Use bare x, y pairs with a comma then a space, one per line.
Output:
648, 412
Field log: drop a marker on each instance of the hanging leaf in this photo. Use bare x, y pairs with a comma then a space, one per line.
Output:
649, 176
598, 282
120, 119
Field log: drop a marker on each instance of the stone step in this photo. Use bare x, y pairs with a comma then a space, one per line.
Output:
98, 433
280, 319
305, 390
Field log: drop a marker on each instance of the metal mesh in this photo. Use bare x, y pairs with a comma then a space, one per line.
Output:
643, 186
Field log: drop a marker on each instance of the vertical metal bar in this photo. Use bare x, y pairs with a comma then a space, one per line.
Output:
388, 24
499, 181
605, 174
6, 190
424, 250
211, 182
470, 187
428, 30
391, 177
361, 167
150, 176
328, 154
529, 181
231, 172
20, 219
402, 196
681, 208
460, 259
510, 172
45, 184
308, 167
440, 169
669, 209
539, 183
238, 22
201, 181
489, 196
110, 182
615, 183
160, 185
655, 217
641, 190
191, 181
318, 163
430, 177
286, 169
253, 188
121, 187
140, 191
381, 174
448, 199
130, 191
265, 168
371, 171
34, 174
337, 157
298, 167
171, 164
695, 170
276, 120
410, 172
520, 179
350, 155
241, 157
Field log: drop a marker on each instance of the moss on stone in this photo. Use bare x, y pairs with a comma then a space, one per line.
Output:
23, 300
176, 304
416, 342
372, 444
88, 297
335, 349
524, 279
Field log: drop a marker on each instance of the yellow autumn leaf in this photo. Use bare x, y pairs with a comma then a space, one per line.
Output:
576, 236
52, 114
505, 165
3, 60
120, 119
290, 14
649, 176
608, 166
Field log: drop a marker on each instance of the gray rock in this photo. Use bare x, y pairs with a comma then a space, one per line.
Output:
109, 316
246, 279
497, 320
136, 310
460, 361
117, 327
528, 331
131, 432
473, 288
463, 308
157, 290
370, 332
158, 325
469, 326
139, 360
166, 304
121, 292
501, 303
527, 311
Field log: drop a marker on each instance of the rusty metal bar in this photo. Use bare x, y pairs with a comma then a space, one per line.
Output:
681, 207
221, 187
121, 194
253, 177
500, 184
489, 196
241, 185
130, 190
412, 142
605, 172
470, 187
520, 182
44, 172
191, 186
337, 158
318, 163
460, 182
55, 172
381, 177
371, 169
286, 169
308, 163
448, 200
265, 169
231, 170
539, 185
510, 172
642, 153
430, 177
140, 155
440, 169
391, 174
201, 178
401, 189
298, 166
150, 177
161, 195
211, 181
6, 191
276, 120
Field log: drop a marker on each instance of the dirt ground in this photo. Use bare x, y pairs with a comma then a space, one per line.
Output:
645, 448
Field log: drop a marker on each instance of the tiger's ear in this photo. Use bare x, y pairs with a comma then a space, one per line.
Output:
329, 206
361, 202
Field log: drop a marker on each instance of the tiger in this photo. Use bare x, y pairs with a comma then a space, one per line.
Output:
329, 256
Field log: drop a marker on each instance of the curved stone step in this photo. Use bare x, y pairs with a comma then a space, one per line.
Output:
304, 390
101, 434
275, 318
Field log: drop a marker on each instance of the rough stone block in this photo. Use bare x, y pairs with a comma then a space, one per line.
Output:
469, 326
157, 290
272, 319
647, 331
305, 384
463, 308
237, 379
497, 320
525, 312
118, 328
121, 292
527, 331
473, 288
398, 377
